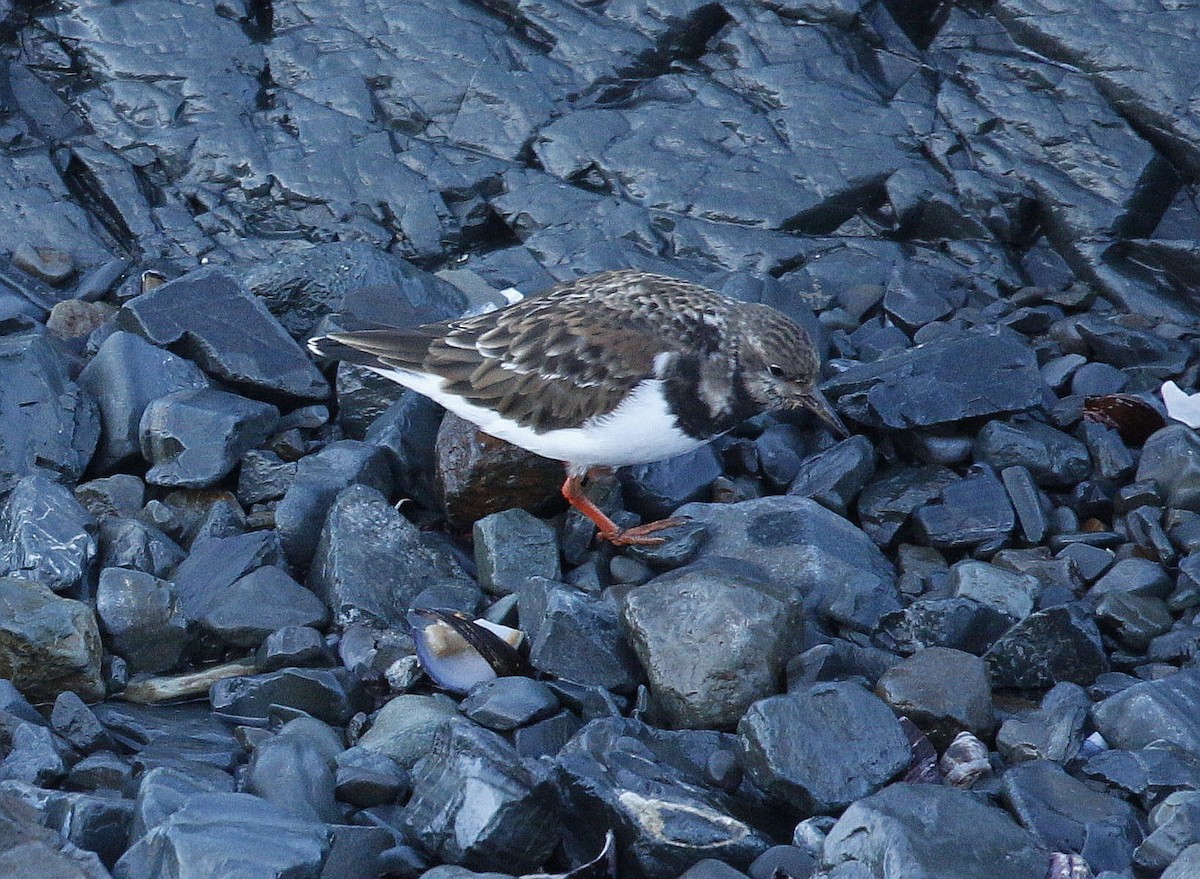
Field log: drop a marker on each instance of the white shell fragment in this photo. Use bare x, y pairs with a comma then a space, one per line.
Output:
1181, 406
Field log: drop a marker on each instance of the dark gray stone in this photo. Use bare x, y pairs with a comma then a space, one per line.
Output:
101, 771
48, 644
194, 438
1134, 576
1111, 458
125, 376
301, 514
1174, 826
46, 534
1171, 459
94, 823
919, 830
210, 831
504, 704
407, 431
1053, 732
545, 738
119, 495
834, 477
1011, 594
576, 636
512, 546
826, 563
371, 562
785, 751
1027, 503
48, 423
215, 564
257, 604
971, 511
75, 722
293, 646
34, 756
1090, 561
137, 545
927, 385
959, 623
295, 770
1053, 645
475, 803
711, 644
1168, 709
619, 773
367, 778
654, 491
1187, 864
32, 851
1055, 459
1135, 620
942, 691
263, 476
885, 504
1147, 774
404, 727
1066, 815
330, 695
208, 317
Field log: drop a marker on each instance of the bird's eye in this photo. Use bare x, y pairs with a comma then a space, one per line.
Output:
776, 370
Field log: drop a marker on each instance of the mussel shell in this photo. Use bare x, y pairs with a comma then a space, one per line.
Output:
482, 656
1132, 417
965, 761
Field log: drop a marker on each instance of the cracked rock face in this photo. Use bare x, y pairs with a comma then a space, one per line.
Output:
985, 216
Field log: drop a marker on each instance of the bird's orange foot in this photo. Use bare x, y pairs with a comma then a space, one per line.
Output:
640, 535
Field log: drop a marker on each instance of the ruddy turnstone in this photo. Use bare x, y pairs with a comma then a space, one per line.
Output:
616, 368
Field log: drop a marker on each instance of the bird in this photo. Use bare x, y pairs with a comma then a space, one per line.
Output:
606, 370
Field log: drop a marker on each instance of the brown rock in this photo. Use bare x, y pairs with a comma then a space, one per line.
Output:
478, 475
48, 644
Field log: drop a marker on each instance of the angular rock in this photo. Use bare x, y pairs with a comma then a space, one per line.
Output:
1053, 645
1171, 459
194, 438
506, 703
301, 514
576, 637
295, 770
1054, 732
825, 562
263, 476
885, 503
213, 830
1055, 459
209, 318
711, 645
257, 604
47, 644
137, 545
972, 511
785, 750
46, 535
215, 564
834, 477
1174, 826
927, 385
408, 431
656, 490
371, 562
365, 778
922, 829
1006, 592
124, 376
329, 695
32, 851
404, 727
958, 623
512, 546
1168, 709
475, 803
619, 773
942, 691
48, 424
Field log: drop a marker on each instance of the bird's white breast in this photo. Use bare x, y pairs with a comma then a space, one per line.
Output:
641, 429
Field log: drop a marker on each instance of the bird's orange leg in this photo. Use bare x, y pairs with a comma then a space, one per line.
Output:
606, 528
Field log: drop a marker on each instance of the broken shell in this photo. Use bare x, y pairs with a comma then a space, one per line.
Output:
922, 767
965, 761
457, 652
1068, 866
1130, 416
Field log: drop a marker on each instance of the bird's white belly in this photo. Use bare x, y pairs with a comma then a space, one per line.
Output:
640, 430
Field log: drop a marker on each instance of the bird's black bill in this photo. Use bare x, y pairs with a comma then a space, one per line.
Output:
814, 401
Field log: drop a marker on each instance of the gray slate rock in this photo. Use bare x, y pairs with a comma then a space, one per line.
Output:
1171, 459
512, 546
404, 727
1168, 708
1174, 826
475, 803
263, 476
46, 534
1066, 815
1055, 459
48, 423
194, 438
137, 545
785, 747
257, 604
1006, 592
927, 385
371, 562
1058, 644
141, 619
1055, 731
329, 695
124, 376
504, 704
824, 561
576, 636
711, 644
885, 504
366, 778
942, 691
48, 644
620, 773
209, 318
834, 477
921, 830
215, 564
74, 721
212, 830
301, 514
973, 510
295, 770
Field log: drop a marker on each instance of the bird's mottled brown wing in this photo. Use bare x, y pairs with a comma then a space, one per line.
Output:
553, 360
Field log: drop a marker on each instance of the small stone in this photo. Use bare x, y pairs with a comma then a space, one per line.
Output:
942, 691
834, 477
76, 319
1057, 644
1054, 458
1011, 594
257, 604
510, 547
506, 703
46, 535
972, 511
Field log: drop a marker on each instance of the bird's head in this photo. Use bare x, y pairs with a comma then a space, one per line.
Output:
781, 366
